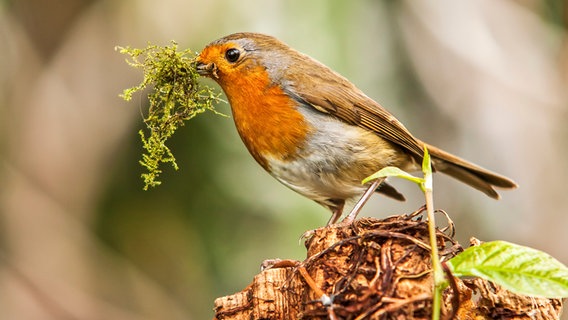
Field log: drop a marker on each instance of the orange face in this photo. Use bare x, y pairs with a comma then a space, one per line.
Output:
246, 54
231, 65
219, 59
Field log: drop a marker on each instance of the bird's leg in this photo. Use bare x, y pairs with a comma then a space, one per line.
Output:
336, 213
364, 198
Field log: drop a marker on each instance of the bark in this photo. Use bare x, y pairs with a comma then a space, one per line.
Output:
374, 269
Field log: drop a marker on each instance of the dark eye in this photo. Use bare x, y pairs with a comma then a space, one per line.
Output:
232, 55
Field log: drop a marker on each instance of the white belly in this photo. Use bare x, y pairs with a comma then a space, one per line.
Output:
334, 161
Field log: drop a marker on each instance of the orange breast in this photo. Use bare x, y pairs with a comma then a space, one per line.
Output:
265, 117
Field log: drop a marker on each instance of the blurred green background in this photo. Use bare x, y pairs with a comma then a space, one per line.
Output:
79, 239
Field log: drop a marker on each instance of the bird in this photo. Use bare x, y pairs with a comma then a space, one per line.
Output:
315, 131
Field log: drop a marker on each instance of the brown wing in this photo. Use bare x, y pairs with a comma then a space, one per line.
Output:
329, 92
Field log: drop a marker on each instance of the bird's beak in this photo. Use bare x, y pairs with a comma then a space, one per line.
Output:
206, 69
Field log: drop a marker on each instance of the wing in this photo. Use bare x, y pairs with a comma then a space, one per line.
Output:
329, 92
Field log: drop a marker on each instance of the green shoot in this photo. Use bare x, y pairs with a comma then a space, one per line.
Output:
426, 186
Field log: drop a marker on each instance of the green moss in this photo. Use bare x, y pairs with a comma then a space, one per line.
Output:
175, 97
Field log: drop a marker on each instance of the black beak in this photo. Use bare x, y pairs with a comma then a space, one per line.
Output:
206, 69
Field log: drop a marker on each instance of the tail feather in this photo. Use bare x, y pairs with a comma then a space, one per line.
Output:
469, 173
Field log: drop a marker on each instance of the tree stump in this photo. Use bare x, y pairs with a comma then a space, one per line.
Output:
374, 269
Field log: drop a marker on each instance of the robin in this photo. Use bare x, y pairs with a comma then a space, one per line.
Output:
314, 131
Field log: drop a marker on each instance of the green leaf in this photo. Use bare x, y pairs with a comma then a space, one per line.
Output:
519, 269
393, 172
426, 162
427, 170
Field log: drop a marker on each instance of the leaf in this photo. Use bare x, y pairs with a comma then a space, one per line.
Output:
393, 172
519, 269
427, 170
426, 162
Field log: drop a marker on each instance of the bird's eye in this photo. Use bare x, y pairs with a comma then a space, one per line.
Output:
232, 55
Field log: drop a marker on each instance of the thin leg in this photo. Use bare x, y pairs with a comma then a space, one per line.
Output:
337, 211
359, 205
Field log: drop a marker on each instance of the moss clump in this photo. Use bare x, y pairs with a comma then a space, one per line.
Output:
175, 96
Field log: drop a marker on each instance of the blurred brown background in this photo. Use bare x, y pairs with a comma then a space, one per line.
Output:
79, 239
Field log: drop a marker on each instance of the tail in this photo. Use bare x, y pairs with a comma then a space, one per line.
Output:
469, 173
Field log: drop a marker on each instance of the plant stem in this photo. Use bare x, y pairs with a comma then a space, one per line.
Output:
436, 265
